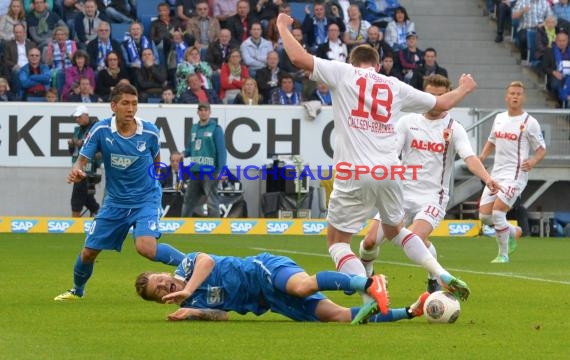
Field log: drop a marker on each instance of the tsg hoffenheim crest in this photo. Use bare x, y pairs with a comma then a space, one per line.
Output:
141, 146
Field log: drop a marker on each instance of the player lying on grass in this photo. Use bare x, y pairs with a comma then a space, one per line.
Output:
208, 286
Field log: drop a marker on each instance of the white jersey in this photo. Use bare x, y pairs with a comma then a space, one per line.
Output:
432, 144
365, 105
513, 137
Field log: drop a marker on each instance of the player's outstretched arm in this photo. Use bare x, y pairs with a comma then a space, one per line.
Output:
202, 269
198, 314
450, 99
476, 167
77, 174
528, 164
297, 54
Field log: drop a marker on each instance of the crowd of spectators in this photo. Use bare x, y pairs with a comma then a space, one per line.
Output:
193, 51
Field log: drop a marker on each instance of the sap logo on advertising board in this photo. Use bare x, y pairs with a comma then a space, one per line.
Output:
170, 226
205, 227
459, 229
278, 227
314, 228
59, 226
242, 227
23, 226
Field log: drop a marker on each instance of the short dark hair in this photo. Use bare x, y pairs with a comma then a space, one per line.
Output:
120, 89
430, 49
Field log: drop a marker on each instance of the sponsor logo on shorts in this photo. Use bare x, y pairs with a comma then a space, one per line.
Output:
23, 225
459, 228
59, 226
278, 227
242, 227
205, 227
313, 227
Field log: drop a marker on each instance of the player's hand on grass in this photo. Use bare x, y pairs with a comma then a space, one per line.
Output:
75, 176
176, 297
180, 314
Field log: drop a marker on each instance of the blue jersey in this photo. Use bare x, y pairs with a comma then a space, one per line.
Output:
127, 162
246, 285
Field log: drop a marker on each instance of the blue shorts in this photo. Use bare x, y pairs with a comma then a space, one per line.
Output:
112, 224
280, 269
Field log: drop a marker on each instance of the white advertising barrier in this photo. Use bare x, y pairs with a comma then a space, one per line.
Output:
36, 134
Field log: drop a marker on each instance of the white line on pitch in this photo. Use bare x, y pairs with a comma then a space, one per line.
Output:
507, 275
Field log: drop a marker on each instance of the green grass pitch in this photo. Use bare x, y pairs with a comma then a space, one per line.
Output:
519, 310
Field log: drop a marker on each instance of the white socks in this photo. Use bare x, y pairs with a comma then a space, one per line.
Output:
416, 251
502, 231
346, 260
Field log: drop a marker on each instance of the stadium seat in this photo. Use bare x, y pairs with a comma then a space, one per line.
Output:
298, 10
35, 99
153, 100
147, 7
118, 31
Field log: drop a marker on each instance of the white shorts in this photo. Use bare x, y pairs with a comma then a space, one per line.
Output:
432, 212
352, 202
512, 191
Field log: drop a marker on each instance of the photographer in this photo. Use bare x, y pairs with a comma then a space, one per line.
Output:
84, 191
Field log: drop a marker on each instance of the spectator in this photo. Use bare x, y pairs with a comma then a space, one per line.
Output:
532, 13
15, 15
503, 17
29, 6
315, 27
249, 94
99, 48
175, 57
337, 10
5, 93
35, 78
224, 10
171, 180
118, 11
356, 29
389, 68
167, 97
150, 78
232, 75
110, 75
15, 54
380, 12
269, 77
192, 64
41, 23
133, 45
556, 64
429, 67
207, 150
161, 28
561, 10
85, 93
376, 40
51, 95
322, 93
219, 51
410, 58
398, 29
87, 23
68, 10
59, 51
545, 37
254, 50
80, 68
272, 33
195, 93
286, 93
333, 48
241, 22
203, 28
266, 10
185, 10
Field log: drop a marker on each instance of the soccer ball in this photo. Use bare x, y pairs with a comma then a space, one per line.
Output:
441, 307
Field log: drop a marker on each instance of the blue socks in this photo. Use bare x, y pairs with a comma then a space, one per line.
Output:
81, 273
332, 280
393, 315
168, 255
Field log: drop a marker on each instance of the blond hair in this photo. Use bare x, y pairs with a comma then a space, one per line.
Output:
517, 83
255, 97
437, 80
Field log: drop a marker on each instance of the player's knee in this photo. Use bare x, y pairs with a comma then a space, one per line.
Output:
89, 255
499, 219
301, 288
486, 219
146, 251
